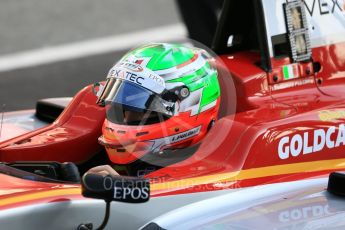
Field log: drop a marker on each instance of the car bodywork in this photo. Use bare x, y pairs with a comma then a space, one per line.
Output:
286, 124
289, 205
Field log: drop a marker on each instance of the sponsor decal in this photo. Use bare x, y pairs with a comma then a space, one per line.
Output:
291, 84
131, 193
328, 115
139, 62
304, 213
126, 190
159, 143
298, 144
126, 75
323, 7
131, 66
136, 74
142, 61
185, 135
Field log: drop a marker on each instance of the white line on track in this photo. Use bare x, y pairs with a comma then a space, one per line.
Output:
90, 47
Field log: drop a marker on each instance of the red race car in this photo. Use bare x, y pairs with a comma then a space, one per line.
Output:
280, 120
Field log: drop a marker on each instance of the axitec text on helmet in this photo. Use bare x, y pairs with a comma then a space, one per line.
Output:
321, 138
126, 75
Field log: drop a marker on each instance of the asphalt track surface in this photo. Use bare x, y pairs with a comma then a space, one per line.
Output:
21, 88
30, 24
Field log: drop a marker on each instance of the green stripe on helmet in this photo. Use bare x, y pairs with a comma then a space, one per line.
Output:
206, 78
211, 91
163, 56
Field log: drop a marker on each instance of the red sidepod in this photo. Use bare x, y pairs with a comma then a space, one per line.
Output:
72, 137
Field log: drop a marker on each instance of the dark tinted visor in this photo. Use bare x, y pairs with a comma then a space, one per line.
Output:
136, 98
121, 115
131, 104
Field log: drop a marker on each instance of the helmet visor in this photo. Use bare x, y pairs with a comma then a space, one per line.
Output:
120, 115
126, 96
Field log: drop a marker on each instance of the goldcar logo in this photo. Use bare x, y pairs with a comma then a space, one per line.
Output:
298, 144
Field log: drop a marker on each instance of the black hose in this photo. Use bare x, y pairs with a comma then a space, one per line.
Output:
106, 218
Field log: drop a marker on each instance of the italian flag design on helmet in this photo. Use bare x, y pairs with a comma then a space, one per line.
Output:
158, 97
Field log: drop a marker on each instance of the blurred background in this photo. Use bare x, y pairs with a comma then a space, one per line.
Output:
54, 48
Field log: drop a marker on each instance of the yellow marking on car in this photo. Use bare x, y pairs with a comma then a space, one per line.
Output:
197, 181
40, 195
331, 115
252, 174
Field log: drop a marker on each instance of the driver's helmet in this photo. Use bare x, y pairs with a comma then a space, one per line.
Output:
158, 97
